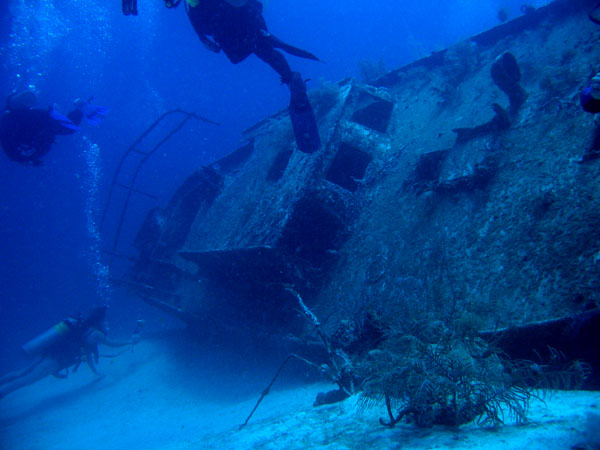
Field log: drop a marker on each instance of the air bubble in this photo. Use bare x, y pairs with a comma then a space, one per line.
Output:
91, 186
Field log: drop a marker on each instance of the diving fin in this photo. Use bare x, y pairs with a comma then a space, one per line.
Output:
278, 43
96, 113
302, 115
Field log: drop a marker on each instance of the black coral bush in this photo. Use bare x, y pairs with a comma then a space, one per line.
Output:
444, 378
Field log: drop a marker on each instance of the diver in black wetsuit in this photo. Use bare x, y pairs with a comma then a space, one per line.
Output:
65, 345
27, 133
590, 96
590, 99
238, 28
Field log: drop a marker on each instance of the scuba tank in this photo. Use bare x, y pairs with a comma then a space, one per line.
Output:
50, 337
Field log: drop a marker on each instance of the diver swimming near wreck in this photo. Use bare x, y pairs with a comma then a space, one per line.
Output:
590, 99
27, 133
66, 345
238, 28
590, 96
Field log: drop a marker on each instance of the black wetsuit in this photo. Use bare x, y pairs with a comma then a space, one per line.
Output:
239, 32
27, 135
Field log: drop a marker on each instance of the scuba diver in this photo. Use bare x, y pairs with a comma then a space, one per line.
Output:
590, 102
27, 133
67, 344
590, 99
590, 96
238, 28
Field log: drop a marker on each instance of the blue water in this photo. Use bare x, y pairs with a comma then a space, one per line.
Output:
140, 67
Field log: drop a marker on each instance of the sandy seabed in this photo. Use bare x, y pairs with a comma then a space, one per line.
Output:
151, 399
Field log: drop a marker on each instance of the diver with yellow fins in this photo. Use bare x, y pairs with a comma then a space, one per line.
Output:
238, 28
66, 345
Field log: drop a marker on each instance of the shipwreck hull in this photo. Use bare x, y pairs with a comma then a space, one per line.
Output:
397, 215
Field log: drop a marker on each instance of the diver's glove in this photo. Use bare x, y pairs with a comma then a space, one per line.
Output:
80, 104
93, 113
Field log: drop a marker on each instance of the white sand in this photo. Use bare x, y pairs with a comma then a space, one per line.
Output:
152, 398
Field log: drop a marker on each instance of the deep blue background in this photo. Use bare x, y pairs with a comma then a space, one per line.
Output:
140, 67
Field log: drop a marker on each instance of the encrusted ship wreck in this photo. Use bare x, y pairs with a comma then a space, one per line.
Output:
462, 184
